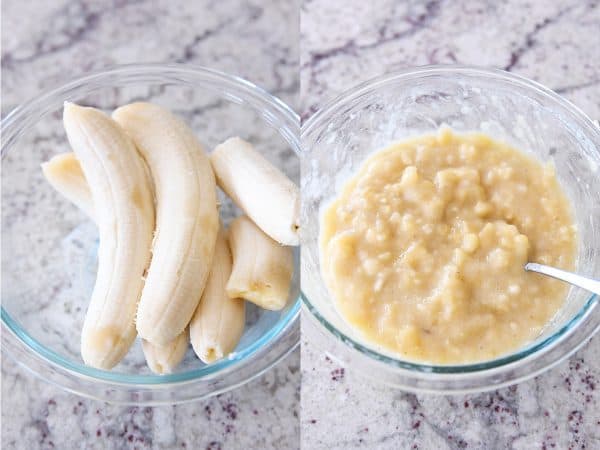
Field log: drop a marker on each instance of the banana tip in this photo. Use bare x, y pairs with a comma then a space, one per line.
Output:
70, 109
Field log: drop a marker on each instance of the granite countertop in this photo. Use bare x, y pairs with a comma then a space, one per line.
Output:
556, 43
43, 44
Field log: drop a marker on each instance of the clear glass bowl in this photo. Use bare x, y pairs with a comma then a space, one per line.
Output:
49, 246
338, 138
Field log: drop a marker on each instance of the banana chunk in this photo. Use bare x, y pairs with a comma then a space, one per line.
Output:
187, 219
124, 211
164, 359
64, 173
262, 268
260, 189
218, 323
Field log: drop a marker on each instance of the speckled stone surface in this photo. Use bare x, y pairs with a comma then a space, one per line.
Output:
44, 44
553, 42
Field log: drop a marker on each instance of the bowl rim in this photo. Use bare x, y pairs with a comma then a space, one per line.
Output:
23, 109
444, 371
14, 337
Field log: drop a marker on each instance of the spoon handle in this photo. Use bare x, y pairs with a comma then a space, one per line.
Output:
583, 282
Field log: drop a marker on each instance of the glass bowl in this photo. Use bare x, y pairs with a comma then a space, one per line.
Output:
49, 246
338, 138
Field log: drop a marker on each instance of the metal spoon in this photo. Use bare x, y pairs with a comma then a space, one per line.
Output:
583, 282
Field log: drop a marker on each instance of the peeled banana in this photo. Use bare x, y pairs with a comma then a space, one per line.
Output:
163, 359
262, 268
186, 219
218, 323
124, 211
172, 245
64, 173
260, 189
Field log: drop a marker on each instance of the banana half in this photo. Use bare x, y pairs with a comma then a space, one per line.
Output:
262, 268
187, 219
124, 211
218, 323
259, 188
64, 173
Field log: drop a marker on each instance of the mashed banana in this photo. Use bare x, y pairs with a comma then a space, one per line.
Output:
423, 251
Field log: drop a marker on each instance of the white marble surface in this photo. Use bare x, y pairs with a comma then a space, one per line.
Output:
43, 44
555, 42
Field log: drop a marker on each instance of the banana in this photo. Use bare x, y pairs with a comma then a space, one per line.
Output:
218, 323
163, 359
262, 268
64, 173
260, 189
124, 210
186, 219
